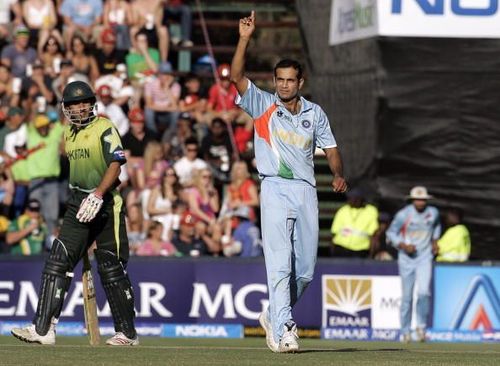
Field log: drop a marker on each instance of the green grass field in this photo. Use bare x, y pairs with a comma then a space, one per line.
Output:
75, 351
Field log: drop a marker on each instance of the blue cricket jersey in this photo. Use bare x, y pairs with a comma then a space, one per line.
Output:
285, 143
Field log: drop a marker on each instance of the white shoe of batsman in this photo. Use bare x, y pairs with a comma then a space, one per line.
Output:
29, 334
264, 323
120, 339
288, 342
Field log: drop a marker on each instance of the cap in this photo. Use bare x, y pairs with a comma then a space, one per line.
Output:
242, 211
22, 31
108, 36
355, 193
104, 91
224, 71
419, 193
41, 120
165, 68
136, 115
15, 110
33, 205
188, 219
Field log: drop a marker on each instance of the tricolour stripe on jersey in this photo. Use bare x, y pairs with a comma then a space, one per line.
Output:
262, 124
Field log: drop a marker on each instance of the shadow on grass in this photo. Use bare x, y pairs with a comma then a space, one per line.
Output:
354, 350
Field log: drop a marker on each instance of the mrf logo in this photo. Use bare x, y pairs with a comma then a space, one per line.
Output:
347, 301
457, 7
479, 308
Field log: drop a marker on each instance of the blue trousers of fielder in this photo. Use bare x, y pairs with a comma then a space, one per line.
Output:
289, 218
419, 271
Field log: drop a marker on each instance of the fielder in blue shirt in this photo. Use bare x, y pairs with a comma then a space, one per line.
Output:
414, 232
287, 130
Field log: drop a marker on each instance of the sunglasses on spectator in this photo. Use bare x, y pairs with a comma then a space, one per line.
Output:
192, 149
206, 176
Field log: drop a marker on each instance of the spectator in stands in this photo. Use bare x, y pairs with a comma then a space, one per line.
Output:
155, 245
415, 230
177, 9
142, 60
185, 241
185, 166
135, 142
106, 107
118, 18
221, 97
6, 189
26, 234
193, 100
83, 61
44, 168
51, 55
135, 225
107, 56
455, 244
80, 17
246, 236
19, 55
15, 149
41, 18
243, 134
66, 75
381, 249
217, 151
147, 17
204, 203
161, 202
353, 227
121, 90
7, 95
161, 96
6, 8
15, 116
36, 90
4, 225
174, 139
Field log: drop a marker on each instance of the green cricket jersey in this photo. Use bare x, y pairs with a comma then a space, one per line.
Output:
90, 150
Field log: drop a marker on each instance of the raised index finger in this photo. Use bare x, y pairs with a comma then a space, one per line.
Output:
252, 16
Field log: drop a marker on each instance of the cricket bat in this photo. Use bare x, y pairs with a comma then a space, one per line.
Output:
89, 303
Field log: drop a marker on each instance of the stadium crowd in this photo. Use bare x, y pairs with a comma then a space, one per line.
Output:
187, 183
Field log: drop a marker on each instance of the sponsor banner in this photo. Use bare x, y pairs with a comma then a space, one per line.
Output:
467, 298
360, 334
361, 301
439, 18
351, 20
455, 336
202, 331
184, 291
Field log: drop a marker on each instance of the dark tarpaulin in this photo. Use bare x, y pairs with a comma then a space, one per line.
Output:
415, 111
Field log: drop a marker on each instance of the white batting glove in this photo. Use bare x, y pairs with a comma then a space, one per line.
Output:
89, 208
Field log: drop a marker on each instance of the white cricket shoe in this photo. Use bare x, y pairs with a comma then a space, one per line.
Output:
405, 338
28, 334
266, 324
420, 334
120, 339
288, 342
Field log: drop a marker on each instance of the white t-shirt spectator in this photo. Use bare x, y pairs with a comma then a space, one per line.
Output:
184, 169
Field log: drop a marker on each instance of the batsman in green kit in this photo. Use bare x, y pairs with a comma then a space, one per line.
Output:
94, 212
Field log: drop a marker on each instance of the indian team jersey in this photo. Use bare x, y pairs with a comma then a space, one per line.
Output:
285, 143
90, 151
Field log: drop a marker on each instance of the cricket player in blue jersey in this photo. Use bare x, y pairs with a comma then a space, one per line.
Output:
287, 130
415, 231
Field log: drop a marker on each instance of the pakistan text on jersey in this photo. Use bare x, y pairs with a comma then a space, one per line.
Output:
77, 154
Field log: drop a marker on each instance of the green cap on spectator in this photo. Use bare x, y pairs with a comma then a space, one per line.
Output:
15, 110
22, 31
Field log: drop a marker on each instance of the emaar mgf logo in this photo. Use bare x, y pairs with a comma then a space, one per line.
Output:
473, 8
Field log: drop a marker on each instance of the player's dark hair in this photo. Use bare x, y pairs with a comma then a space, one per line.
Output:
285, 63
